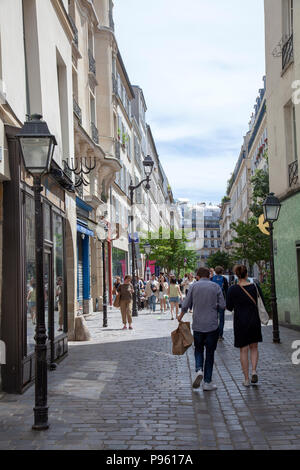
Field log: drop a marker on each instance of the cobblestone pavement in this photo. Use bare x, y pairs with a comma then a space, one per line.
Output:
125, 390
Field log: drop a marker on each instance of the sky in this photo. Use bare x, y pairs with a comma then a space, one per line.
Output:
200, 64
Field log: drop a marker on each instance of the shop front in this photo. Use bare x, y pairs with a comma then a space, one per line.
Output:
19, 279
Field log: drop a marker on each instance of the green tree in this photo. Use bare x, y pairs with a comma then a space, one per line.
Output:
261, 188
220, 258
251, 244
171, 252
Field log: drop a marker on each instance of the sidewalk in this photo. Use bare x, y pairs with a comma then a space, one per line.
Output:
125, 390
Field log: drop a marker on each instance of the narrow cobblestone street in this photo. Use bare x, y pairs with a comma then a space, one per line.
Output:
125, 390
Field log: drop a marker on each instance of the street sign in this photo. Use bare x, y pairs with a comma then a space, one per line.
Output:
262, 225
135, 238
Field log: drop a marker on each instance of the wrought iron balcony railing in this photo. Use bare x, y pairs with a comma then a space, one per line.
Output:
293, 173
288, 52
92, 62
77, 110
95, 133
75, 30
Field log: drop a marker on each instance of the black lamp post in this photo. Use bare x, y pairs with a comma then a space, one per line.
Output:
104, 280
148, 164
271, 207
37, 147
147, 250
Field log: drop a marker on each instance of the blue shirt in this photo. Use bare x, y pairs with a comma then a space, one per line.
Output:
204, 297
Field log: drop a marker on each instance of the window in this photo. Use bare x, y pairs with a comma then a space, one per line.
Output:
63, 105
93, 110
288, 18
290, 133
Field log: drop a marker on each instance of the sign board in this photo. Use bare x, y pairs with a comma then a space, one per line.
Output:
262, 225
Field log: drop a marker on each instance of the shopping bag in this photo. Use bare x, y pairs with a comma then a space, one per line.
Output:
117, 301
182, 339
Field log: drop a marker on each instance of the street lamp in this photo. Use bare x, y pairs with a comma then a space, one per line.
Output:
147, 250
148, 164
37, 148
104, 280
271, 208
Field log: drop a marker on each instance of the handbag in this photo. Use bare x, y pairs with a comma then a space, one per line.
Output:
117, 301
263, 314
182, 338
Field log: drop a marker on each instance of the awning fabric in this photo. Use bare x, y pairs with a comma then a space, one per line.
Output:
85, 230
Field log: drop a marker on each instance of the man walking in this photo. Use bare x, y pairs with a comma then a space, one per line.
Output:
219, 279
152, 291
205, 297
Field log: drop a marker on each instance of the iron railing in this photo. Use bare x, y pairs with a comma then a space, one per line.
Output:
75, 30
288, 52
95, 133
92, 62
77, 110
293, 173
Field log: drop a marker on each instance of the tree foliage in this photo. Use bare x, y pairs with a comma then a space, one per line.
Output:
220, 258
251, 245
261, 188
170, 251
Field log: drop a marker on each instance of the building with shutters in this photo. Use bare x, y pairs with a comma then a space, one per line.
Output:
282, 25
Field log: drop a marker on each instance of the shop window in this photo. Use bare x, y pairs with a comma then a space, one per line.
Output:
58, 266
30, 305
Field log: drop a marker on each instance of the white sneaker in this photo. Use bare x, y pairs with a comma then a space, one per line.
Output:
209, 387
197, 379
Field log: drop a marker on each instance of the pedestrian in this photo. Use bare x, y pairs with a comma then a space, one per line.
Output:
152, 292
185, 284
218, 278
242, 298
192, 280
163, 291
211, 273
125, 291
174, 294
204, 296
117, 283
31, 300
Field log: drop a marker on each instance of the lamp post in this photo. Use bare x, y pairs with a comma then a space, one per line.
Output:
37, 148
148, 164
271, 207
104, 280
147, 250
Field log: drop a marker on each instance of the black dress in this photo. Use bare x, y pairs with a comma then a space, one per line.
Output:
246, 321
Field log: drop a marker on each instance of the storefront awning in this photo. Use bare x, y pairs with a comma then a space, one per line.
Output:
86, 231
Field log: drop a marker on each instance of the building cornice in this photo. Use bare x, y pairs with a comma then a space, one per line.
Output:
289, 193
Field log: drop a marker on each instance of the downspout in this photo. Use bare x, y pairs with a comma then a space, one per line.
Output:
26, 67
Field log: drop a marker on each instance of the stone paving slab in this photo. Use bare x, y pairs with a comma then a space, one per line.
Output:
125, 390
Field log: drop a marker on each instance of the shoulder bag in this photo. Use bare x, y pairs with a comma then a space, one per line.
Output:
263, 315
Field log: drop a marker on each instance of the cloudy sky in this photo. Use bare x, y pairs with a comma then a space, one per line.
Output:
200, 64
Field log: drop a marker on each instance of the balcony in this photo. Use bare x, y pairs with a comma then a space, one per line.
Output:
77, 110
293, 173
75, 30
92, 62
95, 133
287, 52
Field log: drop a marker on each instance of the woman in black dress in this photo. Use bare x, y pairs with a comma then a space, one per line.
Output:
246, 321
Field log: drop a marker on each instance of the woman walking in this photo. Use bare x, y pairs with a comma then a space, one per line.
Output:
174, 293
125, 292
242, 298
163, 291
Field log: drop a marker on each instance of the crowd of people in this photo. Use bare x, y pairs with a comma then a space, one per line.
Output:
206, 295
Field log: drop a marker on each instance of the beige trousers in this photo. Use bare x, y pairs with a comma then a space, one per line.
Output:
126, 308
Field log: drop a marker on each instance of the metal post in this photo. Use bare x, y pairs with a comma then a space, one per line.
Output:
104, 287
134, 303
276, 338
40, 409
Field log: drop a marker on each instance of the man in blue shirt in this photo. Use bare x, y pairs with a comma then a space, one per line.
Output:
205, 297
218, 278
